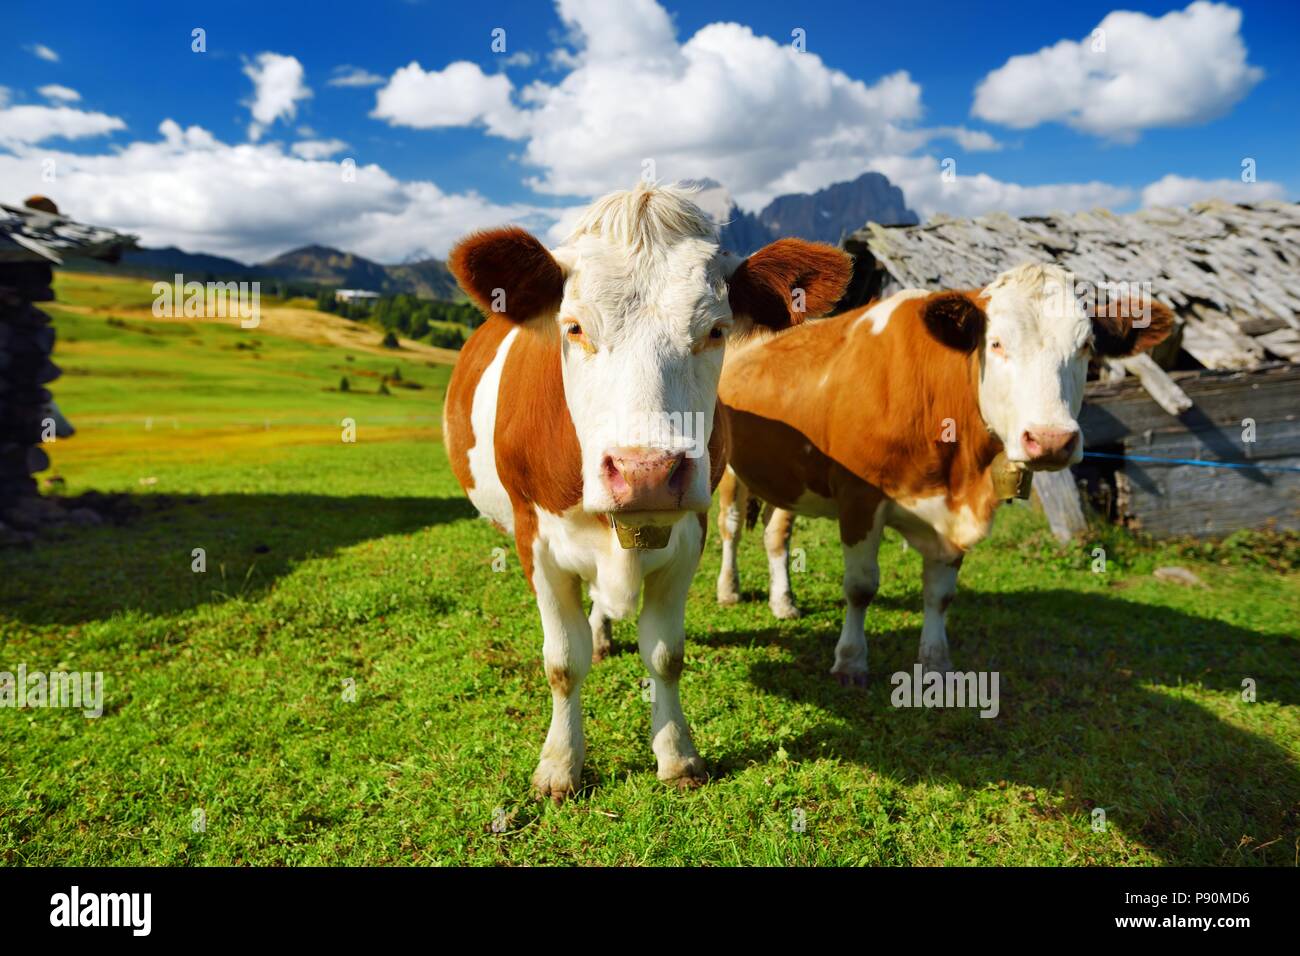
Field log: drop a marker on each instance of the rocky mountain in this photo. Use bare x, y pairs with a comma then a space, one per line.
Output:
321, 265
830, 214
826, 215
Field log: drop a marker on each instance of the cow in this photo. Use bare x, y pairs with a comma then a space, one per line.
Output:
921, 412
582, 418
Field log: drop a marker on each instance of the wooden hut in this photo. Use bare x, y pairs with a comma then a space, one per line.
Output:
33, 238
1223, 391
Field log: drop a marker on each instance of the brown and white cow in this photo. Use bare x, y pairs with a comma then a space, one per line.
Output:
892, 415
581, 419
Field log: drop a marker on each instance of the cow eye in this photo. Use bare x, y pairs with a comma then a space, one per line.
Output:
572, 329
716, 332
996, 348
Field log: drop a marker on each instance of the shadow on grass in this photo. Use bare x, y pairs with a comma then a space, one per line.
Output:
74, 576
1090, 709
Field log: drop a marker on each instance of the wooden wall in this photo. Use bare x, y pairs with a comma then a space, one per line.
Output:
1166, 500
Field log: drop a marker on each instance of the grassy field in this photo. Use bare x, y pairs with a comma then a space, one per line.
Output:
332, 563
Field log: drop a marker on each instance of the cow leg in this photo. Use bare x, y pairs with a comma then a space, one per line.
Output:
939, 584
776, 539
661, 633
566, 652
733, 498
602, 634
861, 581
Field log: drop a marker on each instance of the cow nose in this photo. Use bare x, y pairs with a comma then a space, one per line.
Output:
642, 479
1049, 446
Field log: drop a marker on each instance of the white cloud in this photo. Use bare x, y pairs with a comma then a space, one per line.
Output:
251, 201
54, 91
354, 76
277, 88
460, 95
318, 148
1175, 190
971, 140
43, 52
727, 103
520, 58
1186, 67
974, 194
35, 124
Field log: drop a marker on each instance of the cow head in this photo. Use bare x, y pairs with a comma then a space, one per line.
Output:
642, 302
1034, 337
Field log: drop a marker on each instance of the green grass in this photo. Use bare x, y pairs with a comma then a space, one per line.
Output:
329, 561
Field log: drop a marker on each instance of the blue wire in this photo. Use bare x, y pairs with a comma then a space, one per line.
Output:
1190, 461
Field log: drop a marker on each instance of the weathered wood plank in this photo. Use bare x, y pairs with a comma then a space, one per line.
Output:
1058, 496
1115, 410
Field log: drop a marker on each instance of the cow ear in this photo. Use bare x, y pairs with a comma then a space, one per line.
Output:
507, 272
955, 319
1118, 331
788, 281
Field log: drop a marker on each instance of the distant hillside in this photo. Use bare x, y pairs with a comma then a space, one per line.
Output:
322, 265
825, 216
164, 263
307, 266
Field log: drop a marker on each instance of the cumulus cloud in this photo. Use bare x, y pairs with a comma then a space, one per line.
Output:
54, 91
751, 112
251, 201
277, 88
929, 191
725, 103
43, 52
35, 124
1134, 72
354, 76
1175, 190
460, 95
318, 148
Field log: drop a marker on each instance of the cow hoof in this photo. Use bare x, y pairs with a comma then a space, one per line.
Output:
601, 651
686, 773
555, 781
728, 599
858, 681
785, 611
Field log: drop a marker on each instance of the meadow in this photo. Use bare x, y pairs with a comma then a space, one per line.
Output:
350, 681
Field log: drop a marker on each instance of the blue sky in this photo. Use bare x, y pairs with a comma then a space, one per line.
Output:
1166, 111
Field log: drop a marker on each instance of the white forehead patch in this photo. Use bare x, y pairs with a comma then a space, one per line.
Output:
1036, 304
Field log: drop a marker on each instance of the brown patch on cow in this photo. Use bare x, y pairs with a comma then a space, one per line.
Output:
762, 288
475, 357
560, 679
525, 535
860, 596
955, 319
719, 445
538, 458
1115, 335
833, 409
668, 664
509, 261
